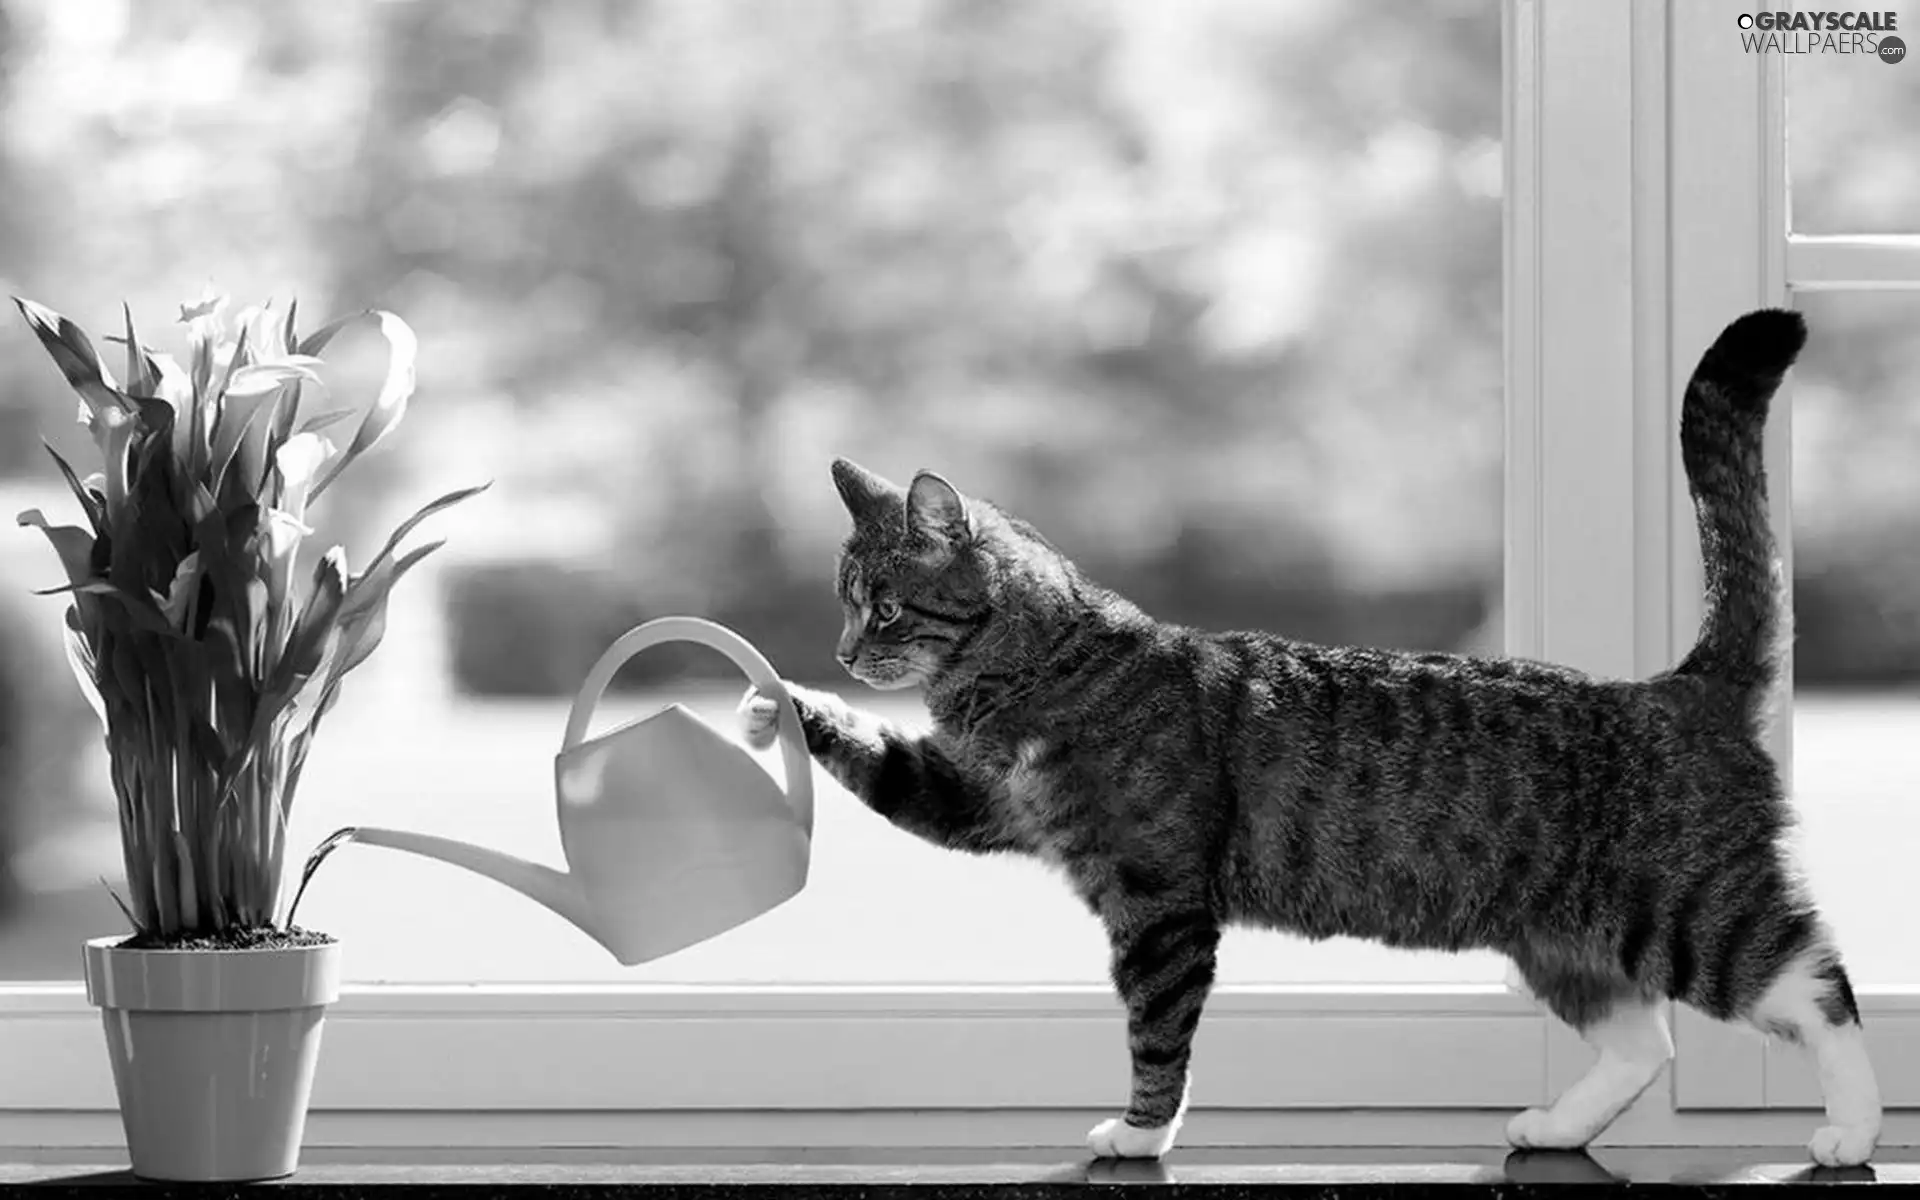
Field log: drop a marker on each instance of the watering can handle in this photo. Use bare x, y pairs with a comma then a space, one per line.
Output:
793, 741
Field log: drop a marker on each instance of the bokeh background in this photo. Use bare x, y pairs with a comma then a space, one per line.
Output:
1210, 292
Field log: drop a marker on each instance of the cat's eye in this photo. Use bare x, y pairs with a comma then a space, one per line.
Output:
888, 611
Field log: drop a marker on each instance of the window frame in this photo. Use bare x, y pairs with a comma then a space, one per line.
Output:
1601, 573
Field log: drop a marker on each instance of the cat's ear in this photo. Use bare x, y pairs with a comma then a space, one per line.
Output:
869, 498
936, 509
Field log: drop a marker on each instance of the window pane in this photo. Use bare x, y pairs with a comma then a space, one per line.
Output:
1850, 161
1856, 707
1217, 311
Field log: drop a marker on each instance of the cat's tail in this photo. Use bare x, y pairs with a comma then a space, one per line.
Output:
1722, 420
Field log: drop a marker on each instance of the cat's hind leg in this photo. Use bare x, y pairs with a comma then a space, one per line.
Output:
1778, 971
1810, 1004
1163, 969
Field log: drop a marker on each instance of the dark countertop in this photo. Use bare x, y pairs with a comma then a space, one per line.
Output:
966, 1175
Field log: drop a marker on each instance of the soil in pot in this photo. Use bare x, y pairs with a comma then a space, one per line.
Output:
289, 938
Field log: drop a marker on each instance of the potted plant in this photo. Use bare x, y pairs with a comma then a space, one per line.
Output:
210, 657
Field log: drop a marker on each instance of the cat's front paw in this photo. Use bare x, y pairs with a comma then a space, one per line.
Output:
759, 719
1114, 1138
1539, 1129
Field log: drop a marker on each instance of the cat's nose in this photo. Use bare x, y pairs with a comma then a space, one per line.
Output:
846, 658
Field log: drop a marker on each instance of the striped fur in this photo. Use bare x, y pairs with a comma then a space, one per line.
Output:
1620, 841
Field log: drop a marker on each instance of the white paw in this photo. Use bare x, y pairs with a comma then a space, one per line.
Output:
759, 719
1536, 1129
1842, 1145
1114, 1138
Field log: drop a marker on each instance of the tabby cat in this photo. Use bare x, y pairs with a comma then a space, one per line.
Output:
1619, 841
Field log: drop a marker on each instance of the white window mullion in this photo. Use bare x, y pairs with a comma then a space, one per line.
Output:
1654, 416
1571, 565
1727, 145
1579, 244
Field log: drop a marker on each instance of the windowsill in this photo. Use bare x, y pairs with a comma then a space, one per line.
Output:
961, 1175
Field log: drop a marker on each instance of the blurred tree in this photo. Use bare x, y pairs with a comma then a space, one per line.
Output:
19, 416
1216, 308
770, 200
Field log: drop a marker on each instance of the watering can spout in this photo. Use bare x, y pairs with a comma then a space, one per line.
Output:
557, 890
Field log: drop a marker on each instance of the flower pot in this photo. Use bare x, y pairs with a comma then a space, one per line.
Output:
213, 1053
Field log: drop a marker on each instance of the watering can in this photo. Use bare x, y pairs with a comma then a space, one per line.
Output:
673, 834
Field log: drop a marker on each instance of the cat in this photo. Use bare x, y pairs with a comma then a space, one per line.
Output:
1619, 841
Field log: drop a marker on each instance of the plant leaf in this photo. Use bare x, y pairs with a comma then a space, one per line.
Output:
311, 648
262, 327
284, 415
171, 381
187, 892
269, 394
132, 920
73, 544
181, 592
259, 609
244, 420
304, 647
315, 646
259, 379
206, 742
114, 434
391, 404
168, 381
96, 512
319, 421
227, 659
279, 547
155, 415
363, 623
426, 510
203, 331
209, 305
200, 504
80, 658
297, 463
74, 355
363, 617
145, 613
143, 377
236, 360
